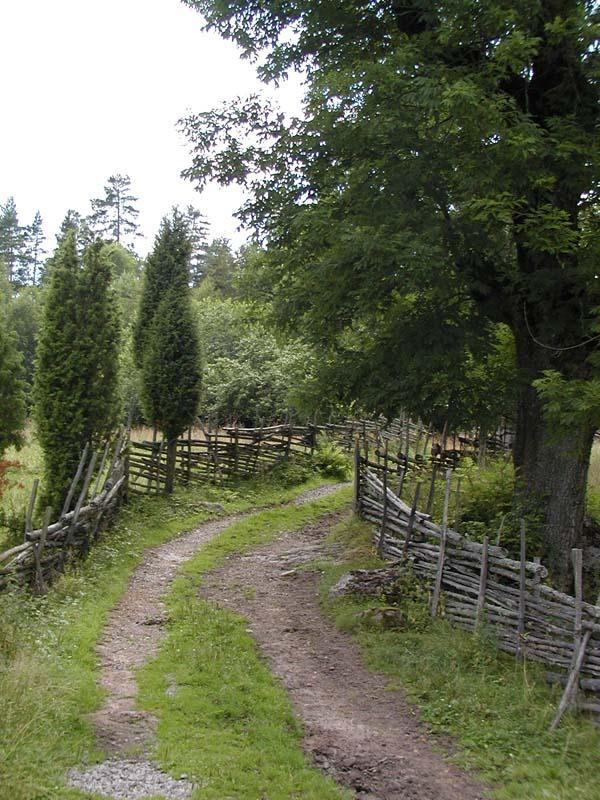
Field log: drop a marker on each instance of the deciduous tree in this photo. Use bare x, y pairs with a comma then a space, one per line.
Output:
446, 145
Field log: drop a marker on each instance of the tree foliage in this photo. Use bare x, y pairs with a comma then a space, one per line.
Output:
12, 390
166, 343
449, 150
114, 216
76, 375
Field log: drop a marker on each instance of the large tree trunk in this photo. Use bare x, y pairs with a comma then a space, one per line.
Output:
552, 466
171, 462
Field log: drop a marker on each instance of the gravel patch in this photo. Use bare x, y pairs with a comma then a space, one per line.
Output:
129, 780
316, 494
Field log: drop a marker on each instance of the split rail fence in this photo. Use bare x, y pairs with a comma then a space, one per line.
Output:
473, 583
46, 551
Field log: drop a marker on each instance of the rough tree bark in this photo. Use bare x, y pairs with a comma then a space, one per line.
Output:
171, 463
551, 464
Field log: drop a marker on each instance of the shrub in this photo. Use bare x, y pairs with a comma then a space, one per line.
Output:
331, 461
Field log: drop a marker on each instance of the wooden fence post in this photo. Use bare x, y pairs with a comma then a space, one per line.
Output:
30, 507
435, 600
357, 483
577, 560
522, 586
385, 501
75, 481
483, 575
411, 520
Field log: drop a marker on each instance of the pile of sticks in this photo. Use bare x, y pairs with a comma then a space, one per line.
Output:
475, 583
46, 551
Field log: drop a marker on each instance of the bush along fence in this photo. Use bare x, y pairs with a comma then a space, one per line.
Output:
95, 493
473, 584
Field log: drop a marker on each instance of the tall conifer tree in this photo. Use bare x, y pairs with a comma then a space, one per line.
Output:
76, 374
12, 390
114, 215
12, 243
166, 338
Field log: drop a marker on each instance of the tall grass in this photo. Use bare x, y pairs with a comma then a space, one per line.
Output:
28, 465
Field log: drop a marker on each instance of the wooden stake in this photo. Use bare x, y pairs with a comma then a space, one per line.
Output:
31, 506
483, 575
385, 502
565, 700
75, 481
411, 520
101, 469
522, 576
442, 552
577, 560
356, 504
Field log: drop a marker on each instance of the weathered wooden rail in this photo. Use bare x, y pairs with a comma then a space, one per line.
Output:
474, 583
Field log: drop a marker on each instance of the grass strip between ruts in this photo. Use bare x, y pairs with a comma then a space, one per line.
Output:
226, 723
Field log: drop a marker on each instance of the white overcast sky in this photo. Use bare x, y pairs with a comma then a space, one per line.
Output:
94, 88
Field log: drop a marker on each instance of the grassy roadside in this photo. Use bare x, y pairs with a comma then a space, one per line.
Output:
497, 711
47, 659
229, 725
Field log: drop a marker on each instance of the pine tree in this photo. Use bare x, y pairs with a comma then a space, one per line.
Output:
166, 338
114, 215
12, 243
75, 381
12, 390
198, 228
34, 249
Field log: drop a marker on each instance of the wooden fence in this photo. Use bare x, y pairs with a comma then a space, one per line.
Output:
227, 454
46, 551
474, 583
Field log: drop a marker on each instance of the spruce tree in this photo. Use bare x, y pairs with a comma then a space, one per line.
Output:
76, 368
166, 338
12, 390
12, 244
34, 249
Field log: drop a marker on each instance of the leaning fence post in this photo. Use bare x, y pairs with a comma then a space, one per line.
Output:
522, 576
75, 481
356, 504
385, 501
577, 559
430, 496
411, 520
442, 554
31, 506
483, 575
